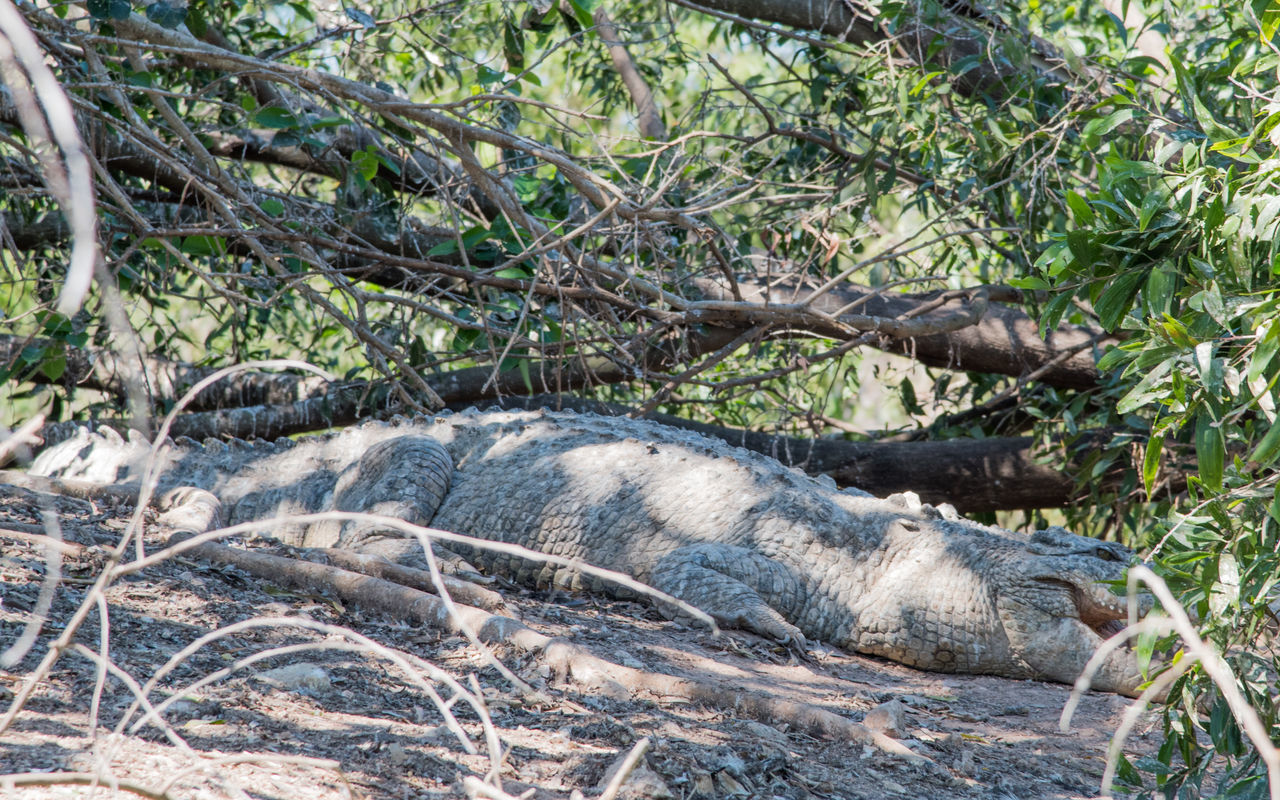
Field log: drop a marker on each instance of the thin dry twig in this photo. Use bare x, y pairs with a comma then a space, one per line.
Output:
624, 771
46, 114
21, 779
1196, 650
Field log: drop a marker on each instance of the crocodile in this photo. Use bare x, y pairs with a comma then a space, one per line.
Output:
757, 545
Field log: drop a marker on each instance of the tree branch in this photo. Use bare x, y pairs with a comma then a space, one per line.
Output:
958, 37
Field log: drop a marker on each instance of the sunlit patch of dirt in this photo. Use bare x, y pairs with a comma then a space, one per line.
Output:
357, 727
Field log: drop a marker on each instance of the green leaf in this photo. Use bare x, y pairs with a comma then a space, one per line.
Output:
1117, 298
909, 400
303, 10
1237, 148
584, 10
166, 15
526, 187
444, 248
276, 117
361, 18
1159, 291
272, 206
1080, 209
1154, 202
54, 324
1268, 341
1151, 356
923, 82
463, 339
1120, 28
1210, 450
1177, 332
1268, 448
486, 75
204, 246
1144, 392
326, 122
54, 367
1083, 248
475, 235
366, 163
109, 9
1215, 130
1053, 311
513, 45
516, 273
1267, 215
1031, 283
1151, 463
1113, 358
196, 23
33, 354
1054, 258
526, 376
1270, 21
1101, 127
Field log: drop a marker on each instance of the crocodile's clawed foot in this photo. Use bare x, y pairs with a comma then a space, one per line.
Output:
801, 648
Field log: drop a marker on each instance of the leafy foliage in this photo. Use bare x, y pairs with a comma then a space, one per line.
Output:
1176, 248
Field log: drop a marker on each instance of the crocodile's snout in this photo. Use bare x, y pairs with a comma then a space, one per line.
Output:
1105, 611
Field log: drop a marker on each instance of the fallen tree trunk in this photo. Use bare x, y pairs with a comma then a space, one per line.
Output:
1004, 340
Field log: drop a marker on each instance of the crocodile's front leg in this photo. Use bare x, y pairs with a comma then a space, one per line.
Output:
739, 588
405, 477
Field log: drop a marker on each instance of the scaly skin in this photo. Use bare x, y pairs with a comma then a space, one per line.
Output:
755, 544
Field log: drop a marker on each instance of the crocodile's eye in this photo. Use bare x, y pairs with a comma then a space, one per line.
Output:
1105, 554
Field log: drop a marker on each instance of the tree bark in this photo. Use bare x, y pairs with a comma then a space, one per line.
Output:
958, 36
1005, 341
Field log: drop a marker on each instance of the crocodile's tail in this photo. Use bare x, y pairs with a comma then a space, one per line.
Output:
101, 456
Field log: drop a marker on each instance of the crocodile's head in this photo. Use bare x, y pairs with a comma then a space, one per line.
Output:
1059, 604
1089, 569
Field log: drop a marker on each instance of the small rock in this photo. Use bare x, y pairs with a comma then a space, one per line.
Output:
396, 754
643, 783
727, 760
303, 676
888, 718
730, 786
760, 731
186, 707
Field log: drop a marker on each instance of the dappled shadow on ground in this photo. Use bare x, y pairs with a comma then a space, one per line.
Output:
360, 723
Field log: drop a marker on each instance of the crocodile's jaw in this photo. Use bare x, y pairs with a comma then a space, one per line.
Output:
1055, 625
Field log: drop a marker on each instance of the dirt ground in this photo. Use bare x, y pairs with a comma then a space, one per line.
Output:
333, 717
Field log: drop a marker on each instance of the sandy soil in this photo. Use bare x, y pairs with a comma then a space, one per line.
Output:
335, 719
